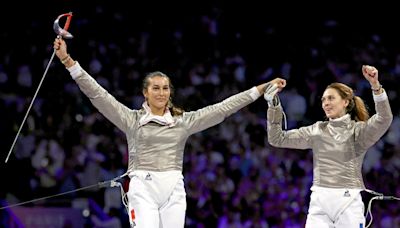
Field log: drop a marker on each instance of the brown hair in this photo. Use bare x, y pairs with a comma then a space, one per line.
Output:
356, 108
175, 111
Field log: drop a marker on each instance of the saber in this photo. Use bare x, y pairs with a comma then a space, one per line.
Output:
61, 33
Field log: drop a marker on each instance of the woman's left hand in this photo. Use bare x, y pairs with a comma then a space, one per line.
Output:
371, 74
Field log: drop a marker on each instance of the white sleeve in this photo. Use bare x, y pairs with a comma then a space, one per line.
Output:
75, 70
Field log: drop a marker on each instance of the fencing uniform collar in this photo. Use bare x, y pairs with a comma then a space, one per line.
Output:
166, 119
342, 118
343, 121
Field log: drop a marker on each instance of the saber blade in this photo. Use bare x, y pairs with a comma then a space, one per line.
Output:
61, 32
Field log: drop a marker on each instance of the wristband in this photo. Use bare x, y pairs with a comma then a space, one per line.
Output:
65, 59
378, 89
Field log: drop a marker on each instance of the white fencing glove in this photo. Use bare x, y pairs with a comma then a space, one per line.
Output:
270, 95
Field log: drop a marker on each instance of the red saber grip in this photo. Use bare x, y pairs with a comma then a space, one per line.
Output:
69, 17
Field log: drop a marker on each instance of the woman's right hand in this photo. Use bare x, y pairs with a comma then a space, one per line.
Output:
271, 89
60, 47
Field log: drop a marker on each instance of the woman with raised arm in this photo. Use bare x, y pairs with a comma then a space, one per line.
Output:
339, 145
156, 136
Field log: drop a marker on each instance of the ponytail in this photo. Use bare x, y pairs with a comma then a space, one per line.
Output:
359, 112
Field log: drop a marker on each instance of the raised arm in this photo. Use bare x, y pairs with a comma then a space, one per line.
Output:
379, 123
296, 138
113, 110
214, 114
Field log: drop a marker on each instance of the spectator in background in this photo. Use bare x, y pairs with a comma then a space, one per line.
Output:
339, 145
296, 106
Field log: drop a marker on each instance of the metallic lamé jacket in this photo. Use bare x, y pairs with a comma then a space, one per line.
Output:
338, 146
154, 147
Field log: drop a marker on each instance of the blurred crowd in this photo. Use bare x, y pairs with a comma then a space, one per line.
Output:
233, 177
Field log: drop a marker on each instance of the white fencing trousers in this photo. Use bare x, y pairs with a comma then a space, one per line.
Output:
156, 199
335, 208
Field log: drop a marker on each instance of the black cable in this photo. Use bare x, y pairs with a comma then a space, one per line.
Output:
104, 184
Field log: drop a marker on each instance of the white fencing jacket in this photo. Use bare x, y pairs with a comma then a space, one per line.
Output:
152, 145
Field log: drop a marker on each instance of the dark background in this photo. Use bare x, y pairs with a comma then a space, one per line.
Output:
322, 43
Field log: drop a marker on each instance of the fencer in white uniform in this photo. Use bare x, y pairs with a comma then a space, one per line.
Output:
156, 135
338, 145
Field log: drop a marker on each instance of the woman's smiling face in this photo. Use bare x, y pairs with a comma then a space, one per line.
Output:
157, 94
333, 104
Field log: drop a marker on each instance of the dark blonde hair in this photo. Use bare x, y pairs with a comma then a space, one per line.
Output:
356, 108
146, 82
